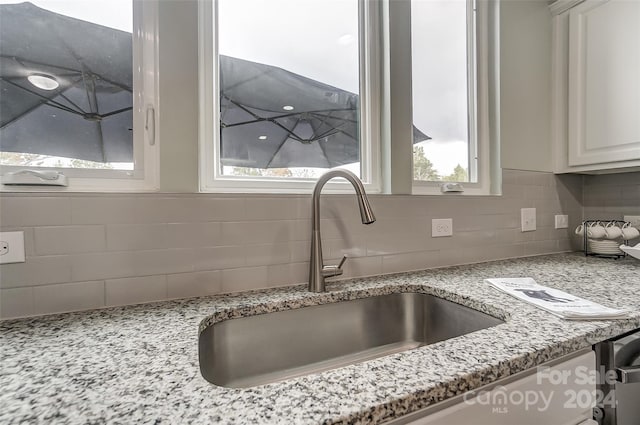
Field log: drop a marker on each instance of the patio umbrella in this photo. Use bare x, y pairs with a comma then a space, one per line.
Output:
89, 115
270, 117
274, 118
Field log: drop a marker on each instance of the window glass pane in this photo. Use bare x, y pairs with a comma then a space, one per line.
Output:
66, 77
440, 85
289, 87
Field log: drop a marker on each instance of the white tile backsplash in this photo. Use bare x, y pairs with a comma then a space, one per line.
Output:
69, 239
16, 302
149, 247
245, 279
194, 235
135, 290
68, 297
37, 271
35, 211
133, 237
184, 285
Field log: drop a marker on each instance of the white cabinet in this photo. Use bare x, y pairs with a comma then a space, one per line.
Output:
559, 393
596, 88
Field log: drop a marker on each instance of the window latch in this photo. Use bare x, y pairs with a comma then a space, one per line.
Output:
150, 124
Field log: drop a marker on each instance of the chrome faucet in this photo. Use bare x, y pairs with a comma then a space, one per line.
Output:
317, 270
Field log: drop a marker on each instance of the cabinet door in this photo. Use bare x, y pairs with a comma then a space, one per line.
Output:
604, 82
561, 394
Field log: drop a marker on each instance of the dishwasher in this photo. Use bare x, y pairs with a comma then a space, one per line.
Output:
618, 384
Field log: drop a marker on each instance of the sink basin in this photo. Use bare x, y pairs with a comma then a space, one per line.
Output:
271, 347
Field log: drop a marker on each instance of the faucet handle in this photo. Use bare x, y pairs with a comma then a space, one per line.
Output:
330, 271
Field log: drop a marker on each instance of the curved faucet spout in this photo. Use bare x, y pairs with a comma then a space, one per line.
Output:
317, 270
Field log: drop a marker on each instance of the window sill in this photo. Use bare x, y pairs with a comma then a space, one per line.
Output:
470, 189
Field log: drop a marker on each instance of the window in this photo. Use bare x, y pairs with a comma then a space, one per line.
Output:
286, 93
74, 98
443, 86
300, 86
454, 94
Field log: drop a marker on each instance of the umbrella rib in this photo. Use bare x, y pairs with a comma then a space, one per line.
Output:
101, 139
282, 143
317, 113
108, 114
322, 122
77, 80
291, 133
113, 83
258, 118
331, 131
69, 100
87, 89
45, 99
324, 152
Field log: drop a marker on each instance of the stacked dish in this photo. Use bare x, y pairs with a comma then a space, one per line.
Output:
604, 247
606, 237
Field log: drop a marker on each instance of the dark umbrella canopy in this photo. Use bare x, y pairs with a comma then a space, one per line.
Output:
89, 116
260, 130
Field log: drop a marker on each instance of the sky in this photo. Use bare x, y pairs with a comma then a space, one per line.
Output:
323, 34
116, 14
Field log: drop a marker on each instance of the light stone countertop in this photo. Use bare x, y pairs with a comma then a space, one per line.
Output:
139, 364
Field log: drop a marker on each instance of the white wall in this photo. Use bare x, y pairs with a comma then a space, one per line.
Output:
525, 85
178, 83
87, 251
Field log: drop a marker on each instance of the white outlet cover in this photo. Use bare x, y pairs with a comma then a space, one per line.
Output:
528, 219
441, 227
13, 243
562, 221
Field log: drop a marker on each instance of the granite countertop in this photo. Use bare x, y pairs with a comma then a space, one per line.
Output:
139, 364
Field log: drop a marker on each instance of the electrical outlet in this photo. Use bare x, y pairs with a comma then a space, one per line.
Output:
11, 247
562, 221
441, 227
528, 219
633, 219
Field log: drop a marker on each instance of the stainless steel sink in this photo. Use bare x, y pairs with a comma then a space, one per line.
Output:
265, 348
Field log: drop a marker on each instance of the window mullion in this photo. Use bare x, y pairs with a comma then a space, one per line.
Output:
398, 121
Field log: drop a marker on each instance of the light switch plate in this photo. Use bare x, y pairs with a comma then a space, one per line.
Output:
11, 247
562, 221
441, 227
528, 219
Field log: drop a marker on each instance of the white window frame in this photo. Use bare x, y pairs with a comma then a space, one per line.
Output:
211, 178
482, 80
145, 176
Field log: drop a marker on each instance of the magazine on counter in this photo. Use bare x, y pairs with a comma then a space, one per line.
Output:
555, 301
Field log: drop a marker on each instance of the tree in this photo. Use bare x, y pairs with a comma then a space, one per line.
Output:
261, 172
21, 159
422, 167
459, 175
